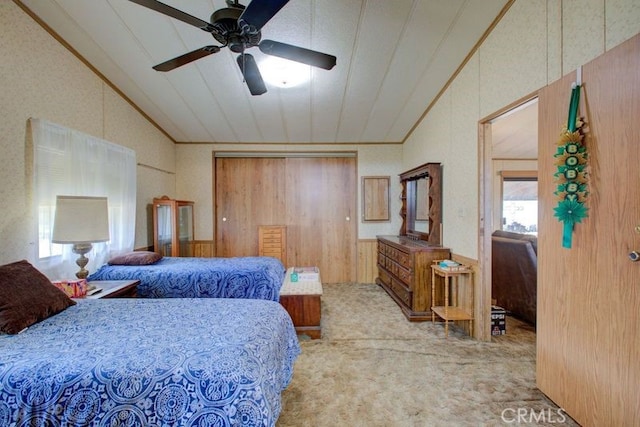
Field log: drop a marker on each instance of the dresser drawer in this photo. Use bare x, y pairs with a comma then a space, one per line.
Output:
271, 237
401, 257
384, 276
274, 254
392, 253
404, 275
402, 292
272, 245
400, 272
404, 259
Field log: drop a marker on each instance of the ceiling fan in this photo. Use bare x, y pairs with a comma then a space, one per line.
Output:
238, 28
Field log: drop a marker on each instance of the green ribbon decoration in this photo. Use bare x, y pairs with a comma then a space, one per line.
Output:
567, 234
573, 108
571, 210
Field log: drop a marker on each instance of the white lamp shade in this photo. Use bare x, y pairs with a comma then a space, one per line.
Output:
81, 219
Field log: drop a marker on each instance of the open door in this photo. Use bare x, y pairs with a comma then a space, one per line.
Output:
588, 329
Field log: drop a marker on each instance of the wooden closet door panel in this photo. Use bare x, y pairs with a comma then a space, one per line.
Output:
321, 216
249, 193
588, 338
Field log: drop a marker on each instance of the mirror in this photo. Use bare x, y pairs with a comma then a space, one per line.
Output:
422, 203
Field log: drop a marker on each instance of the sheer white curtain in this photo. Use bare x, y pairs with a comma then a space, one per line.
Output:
68, 162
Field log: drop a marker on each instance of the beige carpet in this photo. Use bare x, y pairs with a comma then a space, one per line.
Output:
374, 368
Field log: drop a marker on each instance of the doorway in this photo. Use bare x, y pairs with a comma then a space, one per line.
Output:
508, 155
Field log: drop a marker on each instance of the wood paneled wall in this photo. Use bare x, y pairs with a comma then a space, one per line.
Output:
202, 248
367, 261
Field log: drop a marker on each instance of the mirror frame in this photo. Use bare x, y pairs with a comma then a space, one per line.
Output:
407, 179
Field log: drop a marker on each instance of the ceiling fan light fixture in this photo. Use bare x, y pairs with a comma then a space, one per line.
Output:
239, 28
282, 73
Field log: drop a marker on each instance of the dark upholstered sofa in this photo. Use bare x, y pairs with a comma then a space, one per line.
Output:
515, 273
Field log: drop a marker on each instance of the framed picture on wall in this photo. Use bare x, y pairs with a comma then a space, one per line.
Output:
375, 199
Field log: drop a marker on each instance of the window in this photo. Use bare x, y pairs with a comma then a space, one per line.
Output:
68, 162
520, 201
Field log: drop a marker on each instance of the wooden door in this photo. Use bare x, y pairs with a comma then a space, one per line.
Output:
313, 197
321, 216
588, 320
249, 193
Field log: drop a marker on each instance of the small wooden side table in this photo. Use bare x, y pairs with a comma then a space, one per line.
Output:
451, 312
114, 289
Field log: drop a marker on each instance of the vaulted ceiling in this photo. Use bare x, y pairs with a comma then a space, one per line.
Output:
393, 58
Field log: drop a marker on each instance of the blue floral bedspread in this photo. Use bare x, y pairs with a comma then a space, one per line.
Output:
173, 277
150, 362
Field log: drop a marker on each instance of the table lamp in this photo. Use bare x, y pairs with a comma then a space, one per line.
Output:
81, 221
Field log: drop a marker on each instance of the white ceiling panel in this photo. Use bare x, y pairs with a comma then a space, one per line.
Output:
379, 33
393, 58
410, 61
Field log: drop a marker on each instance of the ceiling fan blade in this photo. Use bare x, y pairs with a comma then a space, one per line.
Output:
258, 13
186, 58
298, 54
175, 13
251, 74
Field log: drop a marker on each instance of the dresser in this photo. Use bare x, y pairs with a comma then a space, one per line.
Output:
404, 271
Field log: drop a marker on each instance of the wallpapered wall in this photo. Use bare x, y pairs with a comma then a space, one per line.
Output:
41, 78
534, 44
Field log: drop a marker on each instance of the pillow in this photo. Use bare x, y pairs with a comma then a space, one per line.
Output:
136, 258
27, 297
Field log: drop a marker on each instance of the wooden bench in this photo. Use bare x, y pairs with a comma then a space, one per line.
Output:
302, 301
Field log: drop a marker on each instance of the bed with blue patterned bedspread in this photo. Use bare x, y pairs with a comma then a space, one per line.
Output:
150, 362
183, 277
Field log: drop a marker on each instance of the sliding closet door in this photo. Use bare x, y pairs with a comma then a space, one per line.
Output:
588, 333
321, 215
315, 198
249, 192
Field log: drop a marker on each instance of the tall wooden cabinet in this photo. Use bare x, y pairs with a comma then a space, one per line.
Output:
172, 227
404, 271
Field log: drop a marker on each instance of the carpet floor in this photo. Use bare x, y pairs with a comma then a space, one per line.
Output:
372, 367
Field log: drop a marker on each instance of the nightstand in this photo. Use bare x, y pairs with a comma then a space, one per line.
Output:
114, 289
